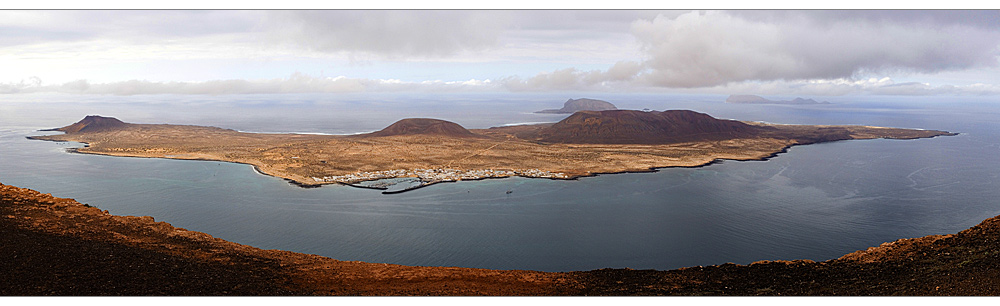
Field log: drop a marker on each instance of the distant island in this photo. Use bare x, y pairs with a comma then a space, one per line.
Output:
752, 99
433, 151
583, 104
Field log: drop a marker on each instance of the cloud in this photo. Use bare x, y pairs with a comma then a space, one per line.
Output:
296, 83
28, 84
388, 33
701, 49
837, 87
972, 18
831, 52
615, 78
136, 27
362, 34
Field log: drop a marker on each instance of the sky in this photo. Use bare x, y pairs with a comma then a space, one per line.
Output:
764, 52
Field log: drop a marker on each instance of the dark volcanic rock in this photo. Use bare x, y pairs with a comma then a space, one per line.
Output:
583, 104
38, 262
93, 123
423, 126
639, 127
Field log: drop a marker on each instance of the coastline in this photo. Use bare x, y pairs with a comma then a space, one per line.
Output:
97, 253
254, 167
306, 185
436, 159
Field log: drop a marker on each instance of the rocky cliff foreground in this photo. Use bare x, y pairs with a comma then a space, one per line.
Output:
55, 246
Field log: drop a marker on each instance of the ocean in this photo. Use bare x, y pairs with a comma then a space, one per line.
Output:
814, 202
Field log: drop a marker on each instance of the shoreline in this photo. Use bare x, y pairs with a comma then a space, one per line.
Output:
128, 255
254, 167
569, 178
470, 174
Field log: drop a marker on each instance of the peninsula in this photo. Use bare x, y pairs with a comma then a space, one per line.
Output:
584, 144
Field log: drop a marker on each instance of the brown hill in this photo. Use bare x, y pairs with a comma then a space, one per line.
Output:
423, 126
582, 104
640, 127
93, 123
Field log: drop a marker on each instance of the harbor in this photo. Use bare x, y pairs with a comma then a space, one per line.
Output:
382, 180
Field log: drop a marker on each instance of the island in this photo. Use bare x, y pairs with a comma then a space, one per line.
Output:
432, 151
752, 99
582, 104
58, 246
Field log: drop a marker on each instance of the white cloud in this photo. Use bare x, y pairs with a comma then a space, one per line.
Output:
615, 78
701, 49
818, 52
844, 86
564, 79
296, 83
388, 33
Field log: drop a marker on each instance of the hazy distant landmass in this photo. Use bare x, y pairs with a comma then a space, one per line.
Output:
752, 99
582, 104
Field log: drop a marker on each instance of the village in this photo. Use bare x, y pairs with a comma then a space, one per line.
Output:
438, 175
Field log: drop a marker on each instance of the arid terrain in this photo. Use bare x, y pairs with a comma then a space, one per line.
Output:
55, 246
583, 144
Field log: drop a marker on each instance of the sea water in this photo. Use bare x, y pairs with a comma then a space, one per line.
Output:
814, 202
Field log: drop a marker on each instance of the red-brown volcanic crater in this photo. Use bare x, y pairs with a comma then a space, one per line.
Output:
423, 126
641, 127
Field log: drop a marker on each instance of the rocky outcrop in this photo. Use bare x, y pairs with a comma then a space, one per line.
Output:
582, 104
